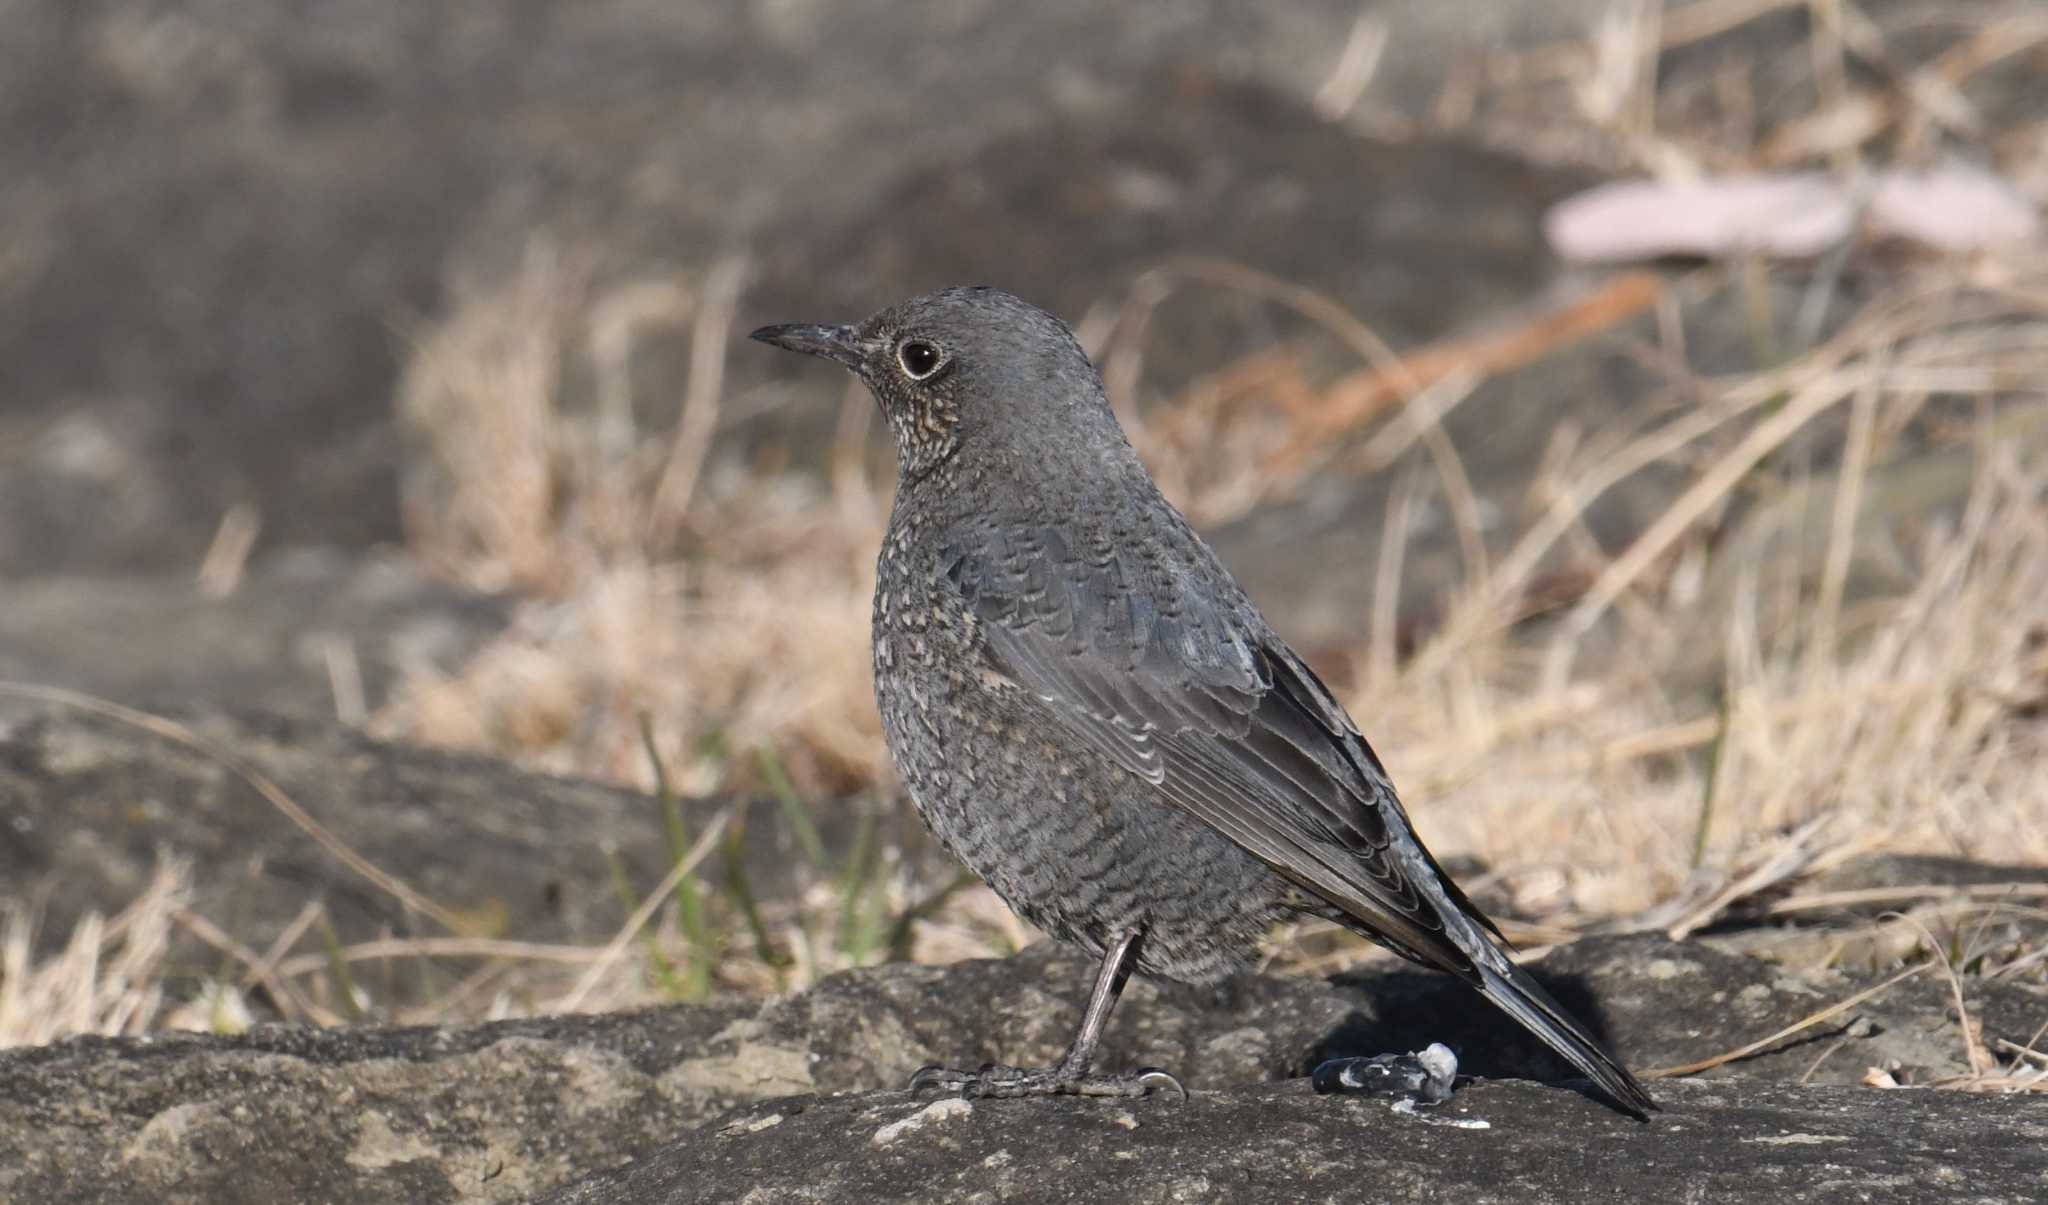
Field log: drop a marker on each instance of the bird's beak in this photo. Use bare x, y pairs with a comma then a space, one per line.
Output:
831, 342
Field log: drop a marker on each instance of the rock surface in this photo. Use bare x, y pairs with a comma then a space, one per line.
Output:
506, 1111
277, 643
499, 1112
91, 803
1282, 1144
492, 1113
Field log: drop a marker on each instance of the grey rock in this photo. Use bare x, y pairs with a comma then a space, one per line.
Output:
1918, 870
1666, 1004
871, 1028
511, 1110
88, 804
498, 1112
1656, 1002
1873, 913
271, 645
1767, 1143
492, 1113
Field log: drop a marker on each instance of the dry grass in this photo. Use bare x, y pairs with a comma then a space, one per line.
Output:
108, 978
1895, 723
729, 604
1764, 724
1648, 736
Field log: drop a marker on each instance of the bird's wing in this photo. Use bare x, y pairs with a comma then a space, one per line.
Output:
1220, 717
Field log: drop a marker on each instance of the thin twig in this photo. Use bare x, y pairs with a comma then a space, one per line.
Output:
1842, 528
1703, 494
1382, 646
1973, 1042
1799, 1026
279, 987
1830, 900
706, 381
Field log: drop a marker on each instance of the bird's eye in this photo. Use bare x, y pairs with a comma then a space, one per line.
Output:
920, 359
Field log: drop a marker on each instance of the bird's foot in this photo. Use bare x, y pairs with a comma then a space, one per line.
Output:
997, 1080
1425, 1076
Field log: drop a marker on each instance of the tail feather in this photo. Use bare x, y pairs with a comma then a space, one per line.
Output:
1518, 994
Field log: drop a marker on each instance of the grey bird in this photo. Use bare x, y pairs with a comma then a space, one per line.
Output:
1090, 713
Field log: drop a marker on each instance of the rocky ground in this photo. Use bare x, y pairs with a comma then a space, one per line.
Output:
1757, 1143
799, 1099
229, 235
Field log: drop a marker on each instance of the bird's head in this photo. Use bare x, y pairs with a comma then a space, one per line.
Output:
965, 368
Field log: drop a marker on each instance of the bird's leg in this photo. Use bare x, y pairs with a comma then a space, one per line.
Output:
1071, 1077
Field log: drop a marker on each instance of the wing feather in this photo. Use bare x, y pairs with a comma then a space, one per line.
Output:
1218, 716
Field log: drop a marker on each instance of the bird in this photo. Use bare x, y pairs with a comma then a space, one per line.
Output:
1090, 713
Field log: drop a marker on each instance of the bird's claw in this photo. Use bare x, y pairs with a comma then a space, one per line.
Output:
1152, 1078
997, 1081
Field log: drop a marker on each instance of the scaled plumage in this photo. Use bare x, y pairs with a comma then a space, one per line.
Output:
1090, 712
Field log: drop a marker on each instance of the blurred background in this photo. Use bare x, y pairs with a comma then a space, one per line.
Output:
1636, 412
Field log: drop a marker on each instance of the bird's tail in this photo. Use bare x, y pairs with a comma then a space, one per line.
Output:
1518, 994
